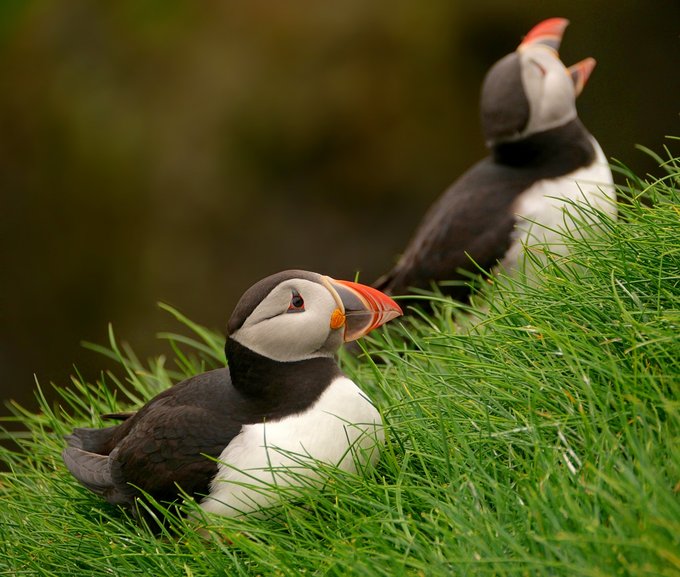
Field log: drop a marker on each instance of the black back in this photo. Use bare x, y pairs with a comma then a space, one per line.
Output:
473, 219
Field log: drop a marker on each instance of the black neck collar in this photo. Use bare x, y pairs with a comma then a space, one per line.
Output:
278, 388
568, 145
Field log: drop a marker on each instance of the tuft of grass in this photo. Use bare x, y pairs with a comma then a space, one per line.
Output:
537, 434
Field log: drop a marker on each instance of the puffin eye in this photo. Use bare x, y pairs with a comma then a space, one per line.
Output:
297, 303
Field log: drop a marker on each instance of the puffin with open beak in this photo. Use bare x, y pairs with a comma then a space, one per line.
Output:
281, 405
542, 159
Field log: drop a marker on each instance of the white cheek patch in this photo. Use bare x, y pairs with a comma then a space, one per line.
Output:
287, 337
551, 96
274, 333
273, 305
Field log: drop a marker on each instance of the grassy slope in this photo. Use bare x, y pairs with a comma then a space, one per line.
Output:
544, 439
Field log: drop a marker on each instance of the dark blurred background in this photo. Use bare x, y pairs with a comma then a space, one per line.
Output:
177, 151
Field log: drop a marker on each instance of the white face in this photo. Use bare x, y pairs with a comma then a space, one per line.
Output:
292, 323
548, 87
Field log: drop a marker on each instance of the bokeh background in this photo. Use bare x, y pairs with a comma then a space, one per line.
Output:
177, 151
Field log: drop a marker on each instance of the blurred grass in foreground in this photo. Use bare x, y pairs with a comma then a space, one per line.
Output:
542, 439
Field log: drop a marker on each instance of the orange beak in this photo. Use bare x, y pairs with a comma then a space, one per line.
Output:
363, 308
549, 32
580, 72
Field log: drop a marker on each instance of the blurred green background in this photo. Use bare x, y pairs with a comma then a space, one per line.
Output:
178, 151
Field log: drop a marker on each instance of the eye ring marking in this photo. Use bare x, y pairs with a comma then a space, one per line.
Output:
297, 303
541, 69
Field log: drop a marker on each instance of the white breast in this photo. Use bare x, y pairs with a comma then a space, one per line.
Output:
545, 211
341, 429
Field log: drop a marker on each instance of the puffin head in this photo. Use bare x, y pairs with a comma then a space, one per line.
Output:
296, 315
530, 90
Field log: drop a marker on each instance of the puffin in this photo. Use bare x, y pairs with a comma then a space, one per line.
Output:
542, 160
280, 406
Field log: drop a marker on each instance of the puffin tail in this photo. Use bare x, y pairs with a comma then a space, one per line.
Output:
92, 440
87, 459
92, 470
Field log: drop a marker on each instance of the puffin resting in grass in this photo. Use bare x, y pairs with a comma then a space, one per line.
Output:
281, 405
542, 160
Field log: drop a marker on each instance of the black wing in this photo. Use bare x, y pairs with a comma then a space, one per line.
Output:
473, 219
475, 215
170, 442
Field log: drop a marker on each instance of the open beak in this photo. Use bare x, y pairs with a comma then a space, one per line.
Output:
549, 33
580, 72
363, 308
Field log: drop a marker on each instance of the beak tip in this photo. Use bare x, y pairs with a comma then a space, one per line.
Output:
548, 32
580, 73
368, 308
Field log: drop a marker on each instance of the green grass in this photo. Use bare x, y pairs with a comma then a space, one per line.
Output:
540, 439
